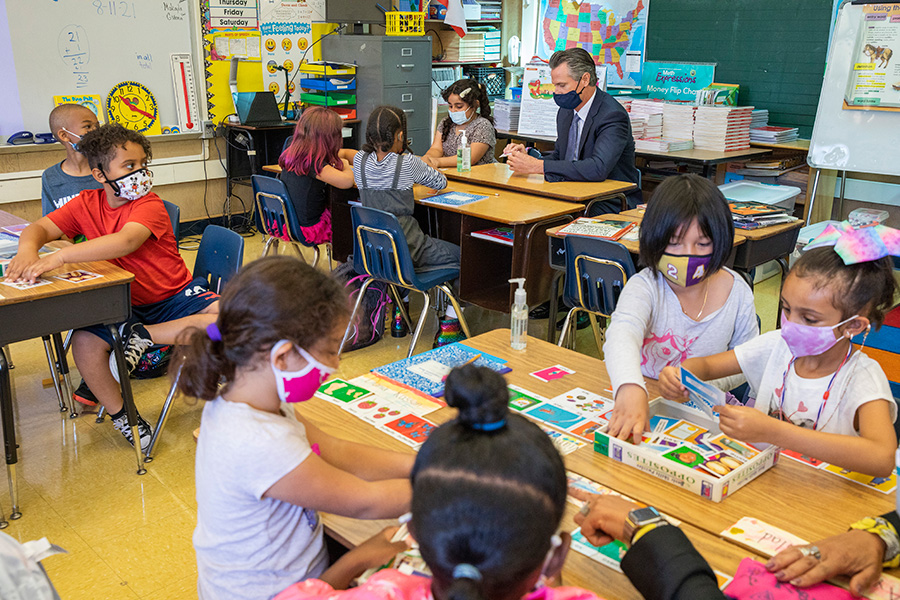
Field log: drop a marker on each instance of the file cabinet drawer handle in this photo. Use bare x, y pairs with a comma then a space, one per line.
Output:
407, 66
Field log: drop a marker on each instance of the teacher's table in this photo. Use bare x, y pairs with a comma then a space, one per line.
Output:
707, 159
45, 311
499, 175
810, 503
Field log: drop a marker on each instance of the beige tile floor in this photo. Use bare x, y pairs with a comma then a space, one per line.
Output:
130, 536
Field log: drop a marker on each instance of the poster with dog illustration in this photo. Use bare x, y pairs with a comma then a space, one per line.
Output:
875, 78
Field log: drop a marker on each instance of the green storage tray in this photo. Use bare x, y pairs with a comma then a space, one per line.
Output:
328, 99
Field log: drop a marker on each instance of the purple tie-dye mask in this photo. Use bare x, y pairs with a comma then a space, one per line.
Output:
299, 386
807, 340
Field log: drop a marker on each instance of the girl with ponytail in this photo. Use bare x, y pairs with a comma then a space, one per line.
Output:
470, 111
263, 471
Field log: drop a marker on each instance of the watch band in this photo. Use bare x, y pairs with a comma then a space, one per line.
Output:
645, 530
884, 530
634, 522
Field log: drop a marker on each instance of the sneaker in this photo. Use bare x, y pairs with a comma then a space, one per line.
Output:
398, 325
143, 427
84, 394
449, 332
135, 339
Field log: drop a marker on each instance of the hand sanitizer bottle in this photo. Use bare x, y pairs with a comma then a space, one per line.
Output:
518, 317
463, 154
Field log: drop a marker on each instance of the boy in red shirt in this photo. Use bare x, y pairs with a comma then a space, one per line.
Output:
127, 225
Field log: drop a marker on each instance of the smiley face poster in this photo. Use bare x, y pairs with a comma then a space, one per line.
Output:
286, 31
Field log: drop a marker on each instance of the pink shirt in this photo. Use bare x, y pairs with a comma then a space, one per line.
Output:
391, 584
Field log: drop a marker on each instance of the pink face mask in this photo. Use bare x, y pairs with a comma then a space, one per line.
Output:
807, 340
299, 386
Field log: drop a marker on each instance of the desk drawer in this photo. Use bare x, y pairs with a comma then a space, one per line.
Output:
407, 62
414, 101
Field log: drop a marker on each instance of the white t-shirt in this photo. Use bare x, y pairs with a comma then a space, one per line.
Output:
649, 330
249, 547
764, 362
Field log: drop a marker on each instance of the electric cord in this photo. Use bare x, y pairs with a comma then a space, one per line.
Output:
337, 29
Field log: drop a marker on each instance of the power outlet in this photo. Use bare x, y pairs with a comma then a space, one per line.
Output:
209, 130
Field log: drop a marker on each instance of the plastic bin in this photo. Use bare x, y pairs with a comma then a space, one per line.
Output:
405, 23
782, 196
493, 78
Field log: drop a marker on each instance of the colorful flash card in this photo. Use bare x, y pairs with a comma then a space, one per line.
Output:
685, 456
24, 285
521, 399
78, 276
807, 460
550, 373
722, 579
735, 447
411, 429
706, 396
582, 401
720, 465
885, 485
683, 430
566, 444
553, 415
761, 537
342, 391
15, 230
586, 430
609, 555
658, 423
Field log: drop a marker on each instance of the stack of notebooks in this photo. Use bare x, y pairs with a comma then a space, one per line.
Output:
753, 215
773, 135
463, 49
625, 101
678, 121
491, 40
760, 118
638, 126
722, 128
652, 111
490, 10
506, 114
662, 145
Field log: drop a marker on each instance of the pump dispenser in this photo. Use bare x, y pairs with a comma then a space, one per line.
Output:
518, 317
463, 154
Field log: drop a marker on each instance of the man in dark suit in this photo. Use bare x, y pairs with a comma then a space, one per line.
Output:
593, 141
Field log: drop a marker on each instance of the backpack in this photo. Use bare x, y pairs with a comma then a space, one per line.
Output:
368, 326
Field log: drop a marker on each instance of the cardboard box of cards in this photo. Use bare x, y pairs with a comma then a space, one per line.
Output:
687, 448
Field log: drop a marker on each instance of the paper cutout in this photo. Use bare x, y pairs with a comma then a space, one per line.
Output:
753, 580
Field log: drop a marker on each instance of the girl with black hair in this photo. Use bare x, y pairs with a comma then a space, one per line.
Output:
470, 111
684, 303
385, 175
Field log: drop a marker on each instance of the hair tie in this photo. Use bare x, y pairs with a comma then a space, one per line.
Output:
212, 330
466, 571
489, 426
858, 244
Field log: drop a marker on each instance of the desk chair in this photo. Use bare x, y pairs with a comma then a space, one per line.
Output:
596, 272
278, 219
601, 206
381, 251
883, 346
219, 258
175, 216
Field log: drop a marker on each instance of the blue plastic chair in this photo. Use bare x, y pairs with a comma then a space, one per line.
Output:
596, 272
175, 216
219, 258
278, 219
381, 251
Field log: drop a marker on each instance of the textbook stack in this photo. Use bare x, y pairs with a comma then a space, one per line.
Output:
773, 135
506, 114
722, 128
638, 126
652, 112
462, 49
625, 101
678, 122
491, 41
662, 145
760, 118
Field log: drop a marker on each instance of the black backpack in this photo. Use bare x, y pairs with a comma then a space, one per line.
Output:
368, 326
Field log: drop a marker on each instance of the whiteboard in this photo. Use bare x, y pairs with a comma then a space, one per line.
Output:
864, 141
79, 47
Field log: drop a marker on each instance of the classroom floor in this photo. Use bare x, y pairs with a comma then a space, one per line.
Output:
130, 536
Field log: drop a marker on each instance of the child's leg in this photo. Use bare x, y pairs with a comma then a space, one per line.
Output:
91, 355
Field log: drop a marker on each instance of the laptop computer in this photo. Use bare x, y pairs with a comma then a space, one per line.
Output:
257, 109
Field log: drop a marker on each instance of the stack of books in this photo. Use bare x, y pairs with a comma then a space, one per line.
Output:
678, 121
753, 215
462, 49
760, 118
722, 128
638, 126
773, 135
625, 101
506, 114
491, 41
490, 9
662, 145
652, 111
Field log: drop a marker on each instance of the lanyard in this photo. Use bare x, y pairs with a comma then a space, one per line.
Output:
824, 396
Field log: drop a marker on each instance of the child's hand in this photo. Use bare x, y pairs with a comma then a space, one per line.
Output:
377, 550
670, 384
605, 518
30, 270
745, 423
630, 416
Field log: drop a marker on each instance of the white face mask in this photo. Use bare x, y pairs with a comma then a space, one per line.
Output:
299, 386
459, 117
133, 186
74, 146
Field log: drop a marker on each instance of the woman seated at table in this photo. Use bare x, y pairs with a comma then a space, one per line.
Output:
470, 111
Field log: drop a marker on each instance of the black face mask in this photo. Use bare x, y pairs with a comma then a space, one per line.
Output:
570, 99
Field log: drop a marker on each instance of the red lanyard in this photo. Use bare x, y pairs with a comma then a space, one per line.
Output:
824, 396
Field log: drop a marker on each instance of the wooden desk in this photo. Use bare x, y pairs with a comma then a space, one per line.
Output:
801, 145
499, 175
707, 159
810, 503
505, 134
49, 309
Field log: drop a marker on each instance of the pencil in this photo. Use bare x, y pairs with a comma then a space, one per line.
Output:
482, 193
471, 360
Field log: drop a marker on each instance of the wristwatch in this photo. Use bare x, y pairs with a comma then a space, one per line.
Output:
885, 530
640, 518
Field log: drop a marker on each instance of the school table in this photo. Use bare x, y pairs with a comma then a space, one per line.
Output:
499, 175
810, 503
49, 309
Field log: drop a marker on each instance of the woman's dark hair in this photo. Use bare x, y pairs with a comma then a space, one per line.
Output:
100, 145
384, 123
675, 203
270, 299
473, 94
489, 490
866, 289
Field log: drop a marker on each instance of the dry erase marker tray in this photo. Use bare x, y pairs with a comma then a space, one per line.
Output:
686, 448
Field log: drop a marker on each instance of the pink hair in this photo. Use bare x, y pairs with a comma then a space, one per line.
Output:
316, 141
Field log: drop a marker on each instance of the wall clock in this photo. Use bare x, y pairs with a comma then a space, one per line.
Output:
132, 105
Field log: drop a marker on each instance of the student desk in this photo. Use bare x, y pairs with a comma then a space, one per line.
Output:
707, 159
499, 175
798, 498
49, 309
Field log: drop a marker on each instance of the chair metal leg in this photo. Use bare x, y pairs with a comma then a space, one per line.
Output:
459, 313
564, 334
62, 363
404, 314
100, 414
426, 300
328, 255
359, 297
271, 243
54, 374
163, 416
598, 334
127, 397
8, 425
315, 261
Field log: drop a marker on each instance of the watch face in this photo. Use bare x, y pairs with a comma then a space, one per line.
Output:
132, 105
641, 515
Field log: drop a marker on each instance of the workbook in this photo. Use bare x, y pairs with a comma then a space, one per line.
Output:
501, 235
608, 229
428, 371
451, 199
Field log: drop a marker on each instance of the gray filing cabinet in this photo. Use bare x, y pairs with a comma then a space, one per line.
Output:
391, 70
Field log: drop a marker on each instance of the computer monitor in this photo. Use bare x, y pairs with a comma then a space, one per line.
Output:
354, 11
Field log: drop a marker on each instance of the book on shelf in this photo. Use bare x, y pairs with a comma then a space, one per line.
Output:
752, 209
762, 221
608, 229
502, 235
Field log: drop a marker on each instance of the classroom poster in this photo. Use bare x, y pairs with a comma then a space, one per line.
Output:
676, 81
613, 31
91, 102
875, 78
537, 115
230, 14
286, 32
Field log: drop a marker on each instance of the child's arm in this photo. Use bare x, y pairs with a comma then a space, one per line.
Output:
423, 174
339, 179
372, 553
34, 236
366, 462
871, 453
435, 155
347, 154
706, 368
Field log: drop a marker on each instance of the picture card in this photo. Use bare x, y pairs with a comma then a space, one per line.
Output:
720, 465
807, 460
587, 429
580, 482
685, 456
610, 555
580, 400
78, 276
705, 395
410, 429
885, 485
761, 537
521, 399
548, 374
554, 415
685, 430
728, 444
15, 230
24, 285
342, 391
565, 443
